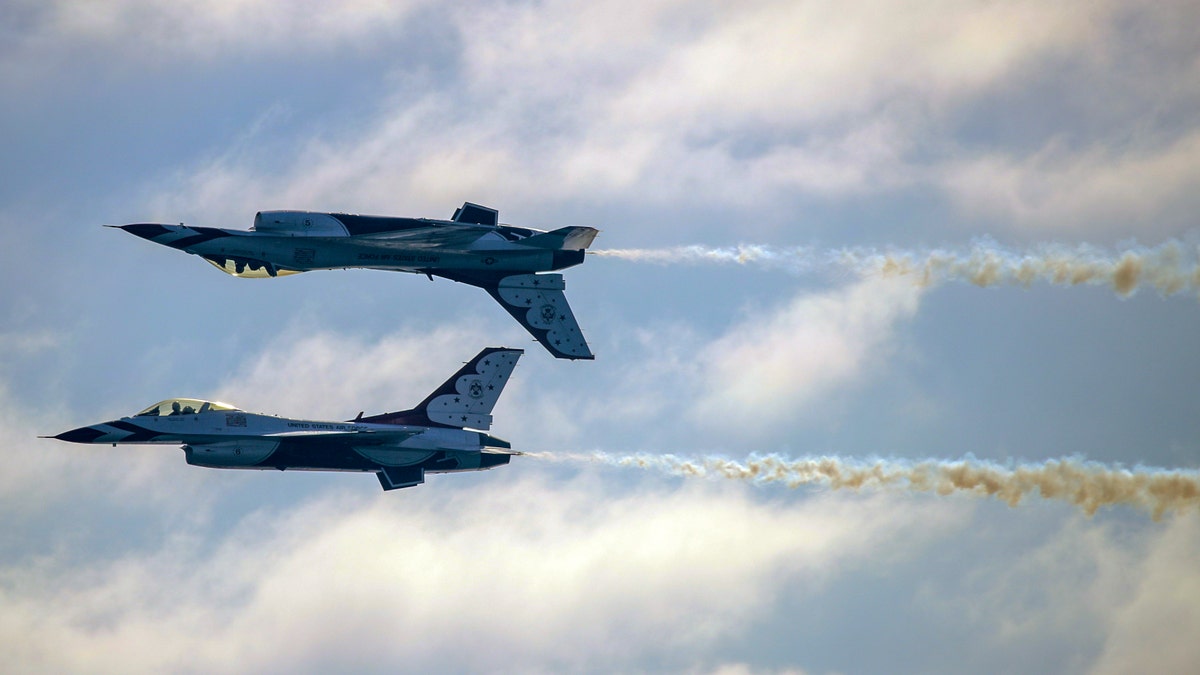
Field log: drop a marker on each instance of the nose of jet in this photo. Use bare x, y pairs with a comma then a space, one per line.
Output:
80, 435
144, 230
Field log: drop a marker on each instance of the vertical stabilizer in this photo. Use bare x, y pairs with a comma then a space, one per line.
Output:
467, 398
538, 303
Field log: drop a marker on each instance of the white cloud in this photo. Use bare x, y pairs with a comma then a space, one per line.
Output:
517, 575
42, 474
787, 64
34, 466
25, 342
207, 29
325, 375
666, 102
772, 365
1154, 632
1062, 190
1059, 591
743, 669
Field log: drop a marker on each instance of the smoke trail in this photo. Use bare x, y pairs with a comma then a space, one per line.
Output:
1087, 485
1170, 268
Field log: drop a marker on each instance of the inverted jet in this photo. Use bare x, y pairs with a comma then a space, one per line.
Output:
472, 248
446, 433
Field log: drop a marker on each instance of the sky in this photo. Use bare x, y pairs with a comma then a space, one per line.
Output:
794, 147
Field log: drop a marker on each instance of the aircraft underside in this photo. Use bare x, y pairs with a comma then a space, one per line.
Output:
334, 457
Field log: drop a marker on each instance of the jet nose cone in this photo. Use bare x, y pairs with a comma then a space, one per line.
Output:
145, 230
80, 435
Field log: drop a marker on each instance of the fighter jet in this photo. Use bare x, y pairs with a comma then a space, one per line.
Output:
472, 248
444, 434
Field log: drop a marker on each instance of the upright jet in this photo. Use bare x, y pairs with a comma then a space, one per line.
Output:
472, 247
444, 434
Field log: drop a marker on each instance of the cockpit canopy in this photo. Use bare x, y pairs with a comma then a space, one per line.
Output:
184, 406
299, 224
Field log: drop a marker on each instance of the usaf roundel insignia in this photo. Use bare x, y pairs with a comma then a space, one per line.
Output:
476, 389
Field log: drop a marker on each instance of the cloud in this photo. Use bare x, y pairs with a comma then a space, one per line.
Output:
202, 29
770, 365
325, 375
43, 476
513, 575
1045, 594
788, 64
744, 669
1154, 631
25, 343
663, 103
34, 466
1056, 188
774, 364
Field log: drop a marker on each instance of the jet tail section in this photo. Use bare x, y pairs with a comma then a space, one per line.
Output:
464, 400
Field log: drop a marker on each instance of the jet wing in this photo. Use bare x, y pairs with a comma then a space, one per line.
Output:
431, 237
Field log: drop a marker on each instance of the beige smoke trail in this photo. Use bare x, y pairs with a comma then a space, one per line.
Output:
1085, 484
1169, 268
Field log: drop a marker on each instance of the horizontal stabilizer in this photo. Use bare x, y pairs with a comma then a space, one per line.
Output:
396, 477
564, 238
476, 214
538, 303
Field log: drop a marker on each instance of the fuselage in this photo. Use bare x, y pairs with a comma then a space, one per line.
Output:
220, 436
341, 241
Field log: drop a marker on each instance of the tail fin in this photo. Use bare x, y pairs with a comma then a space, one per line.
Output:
464, 400
538, 303
564, 238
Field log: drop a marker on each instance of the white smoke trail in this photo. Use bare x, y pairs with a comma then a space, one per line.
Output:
1087, 485
1170, 268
